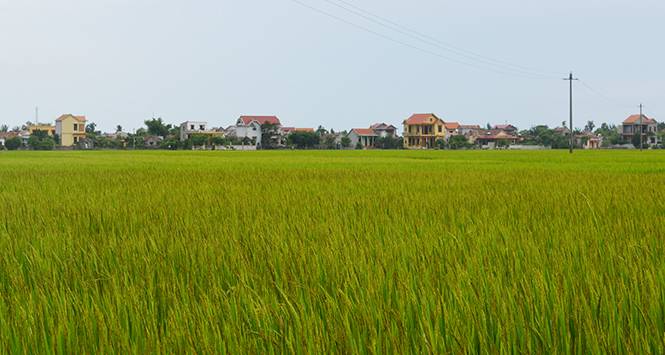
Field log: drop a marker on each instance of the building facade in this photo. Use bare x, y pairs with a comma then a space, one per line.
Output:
421, 130
70, 128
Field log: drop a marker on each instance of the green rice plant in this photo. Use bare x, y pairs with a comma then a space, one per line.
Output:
363, 252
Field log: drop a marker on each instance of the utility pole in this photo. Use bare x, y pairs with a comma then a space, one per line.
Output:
640, 127
570, 78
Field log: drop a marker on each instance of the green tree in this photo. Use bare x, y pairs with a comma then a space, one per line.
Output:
91, 128
589, 126
118, 128
13, 143
39, 140
157, 127
345, 141
198, 140
4, 128
269, 135
321, 131
329, 143
359, 145
303, 139
388, 142
635, 140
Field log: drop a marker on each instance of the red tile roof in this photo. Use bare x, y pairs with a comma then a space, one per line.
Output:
8, 135
636, 118
261, 119
452, 125
422, 118
503, 126
80, 118
364, 131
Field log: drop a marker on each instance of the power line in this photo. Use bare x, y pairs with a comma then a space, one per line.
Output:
441, 42
430, 41
605, 98
530, 76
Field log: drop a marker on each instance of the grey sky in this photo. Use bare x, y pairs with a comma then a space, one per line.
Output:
120, 62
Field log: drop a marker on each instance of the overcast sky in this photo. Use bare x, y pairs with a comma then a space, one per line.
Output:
119, 62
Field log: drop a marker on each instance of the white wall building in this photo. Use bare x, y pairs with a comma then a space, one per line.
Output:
250, 126
192, 127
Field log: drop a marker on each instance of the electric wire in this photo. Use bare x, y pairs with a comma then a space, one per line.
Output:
433, 42
441, 42
605, 98
530, 76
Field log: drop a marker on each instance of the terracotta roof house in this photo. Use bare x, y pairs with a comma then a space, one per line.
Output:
365, 136
464, 129
70, 128
452, 127
561, 131
508, 128
250, 126
6, 135
487, 138
632, 124
383, 129
421, 130
592, 142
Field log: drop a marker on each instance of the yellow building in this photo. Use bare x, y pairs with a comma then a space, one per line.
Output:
421, 130
70, 128
41, 127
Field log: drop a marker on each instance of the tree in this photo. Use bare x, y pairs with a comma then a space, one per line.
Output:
269, 131
303, 139
563, 123
16, 129
217, 140
157, 127
329, 142
502, 142
39, 134
459, 141
589, 126
118, 128
635, 140
198, 140
4, 128
321, 131
388, 142
91, 127
345, 141
13, 143
585, 140
359, 145
39, 140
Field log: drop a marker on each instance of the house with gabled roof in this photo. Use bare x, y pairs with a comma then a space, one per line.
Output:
632, 124
508, 128
365, 136
70, 128
464, 129
421, 130
452, 127
250, 126
4, 136
383, 129
561, 131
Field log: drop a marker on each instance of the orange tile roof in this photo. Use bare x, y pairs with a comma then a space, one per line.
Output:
634, 118
364, 131
452, 125
261, 119
80, 118
422, 118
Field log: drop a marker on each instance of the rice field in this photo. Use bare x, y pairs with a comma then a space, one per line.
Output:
335, 252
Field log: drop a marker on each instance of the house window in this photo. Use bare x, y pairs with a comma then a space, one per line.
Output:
439, 129
191, 127
76, 127
417, 129
76, 139
253, 128
409, 129
202, 127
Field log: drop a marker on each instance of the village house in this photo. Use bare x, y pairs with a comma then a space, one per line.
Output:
631, 125
70, 128
250, 126
421, 130
591, 141
384, 130
508, 128
489, 138
452, 128
42, 127
152, 141
561, 131
464, 129
189, 128
4, 136
365, 136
